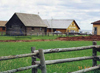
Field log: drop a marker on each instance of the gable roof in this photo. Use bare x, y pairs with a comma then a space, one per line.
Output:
3, 23
96, 22
59, 23
31, 19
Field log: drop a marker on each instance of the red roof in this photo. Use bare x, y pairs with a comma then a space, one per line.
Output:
96, 22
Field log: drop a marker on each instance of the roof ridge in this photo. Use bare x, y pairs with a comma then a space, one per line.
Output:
25, 13
98, 21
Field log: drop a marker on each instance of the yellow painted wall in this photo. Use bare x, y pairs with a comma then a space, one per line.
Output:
73, 26
98, 28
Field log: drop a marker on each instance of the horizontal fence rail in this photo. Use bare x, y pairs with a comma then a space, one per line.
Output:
20, 69
66, 60
87, 69
70, 49
17, 56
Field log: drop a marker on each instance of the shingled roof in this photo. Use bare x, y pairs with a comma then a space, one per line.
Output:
31, 19
96, 22
2, 23
59, 23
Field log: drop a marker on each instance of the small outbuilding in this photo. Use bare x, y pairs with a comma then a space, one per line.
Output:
25, 24
96, 28
2, 26
62, 25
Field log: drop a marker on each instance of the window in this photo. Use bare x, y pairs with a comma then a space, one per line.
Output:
40, 29
3, 28
32, 28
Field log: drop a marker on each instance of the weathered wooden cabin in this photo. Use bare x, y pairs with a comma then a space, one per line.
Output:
2, 26
63, 25
25, 24
96, 28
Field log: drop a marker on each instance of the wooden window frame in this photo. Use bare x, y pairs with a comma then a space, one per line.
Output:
32, 28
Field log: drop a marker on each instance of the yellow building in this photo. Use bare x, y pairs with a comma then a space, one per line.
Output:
96, 28
63, 25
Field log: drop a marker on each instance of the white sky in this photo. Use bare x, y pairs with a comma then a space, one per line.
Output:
83, 11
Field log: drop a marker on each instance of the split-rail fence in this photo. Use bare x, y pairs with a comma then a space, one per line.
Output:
42, 63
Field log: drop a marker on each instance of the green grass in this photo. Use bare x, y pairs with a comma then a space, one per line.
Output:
34, 37
27, 37
9, 48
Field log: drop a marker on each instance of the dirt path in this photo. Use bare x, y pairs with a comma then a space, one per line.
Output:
81, 38
76, 38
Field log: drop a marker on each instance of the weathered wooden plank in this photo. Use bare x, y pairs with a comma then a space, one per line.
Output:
20, 69
17, 56
66, 60
42, 61
87, 69
34, 70
94, 53
70, 49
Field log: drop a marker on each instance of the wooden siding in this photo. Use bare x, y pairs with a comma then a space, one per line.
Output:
61, 30
48, 30
30, 31
15, 26
71, 27
1, 29
98, 28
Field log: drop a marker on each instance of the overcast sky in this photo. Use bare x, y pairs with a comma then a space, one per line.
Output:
83, 11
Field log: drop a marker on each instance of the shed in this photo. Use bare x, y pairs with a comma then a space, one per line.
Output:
96, 28
63, 25
2, 26
25, 24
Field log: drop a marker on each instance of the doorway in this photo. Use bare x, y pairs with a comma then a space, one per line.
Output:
95, 30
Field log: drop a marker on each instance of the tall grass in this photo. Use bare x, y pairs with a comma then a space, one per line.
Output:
25, 47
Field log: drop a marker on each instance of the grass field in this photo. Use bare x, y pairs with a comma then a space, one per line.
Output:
33, 37
9, 48
27, 37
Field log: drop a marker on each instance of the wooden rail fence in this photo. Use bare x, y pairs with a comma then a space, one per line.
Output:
42, 63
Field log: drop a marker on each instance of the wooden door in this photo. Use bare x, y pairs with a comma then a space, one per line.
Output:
95, 30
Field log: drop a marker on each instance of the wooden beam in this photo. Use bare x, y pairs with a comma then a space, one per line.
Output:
48, 62
17, 56
34, 70
42, 61
20, 69
70, 49
94, 53
87, 69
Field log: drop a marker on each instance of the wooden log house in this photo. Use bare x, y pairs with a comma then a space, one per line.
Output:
25, 24
2, 26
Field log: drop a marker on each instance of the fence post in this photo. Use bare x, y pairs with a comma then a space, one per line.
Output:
48, 33
42, 61
37, 34
53, 33
34, 70
42, 34
94, 54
